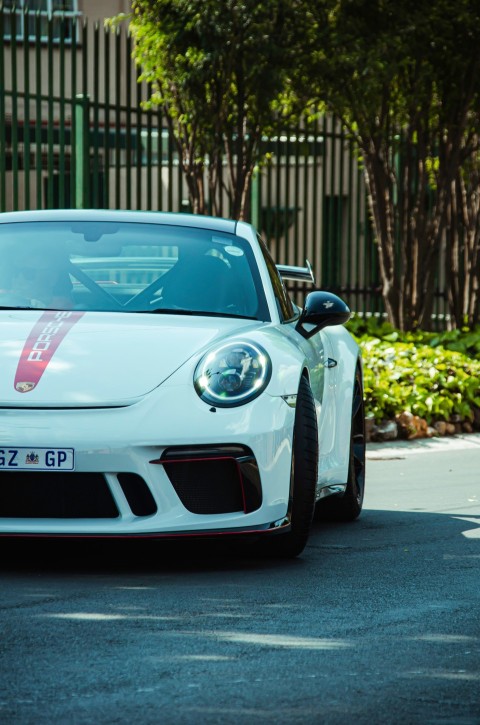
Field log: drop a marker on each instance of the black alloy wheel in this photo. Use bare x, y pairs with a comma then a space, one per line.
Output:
303, 481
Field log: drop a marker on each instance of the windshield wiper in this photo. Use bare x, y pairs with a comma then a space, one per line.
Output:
17, 307
194, 313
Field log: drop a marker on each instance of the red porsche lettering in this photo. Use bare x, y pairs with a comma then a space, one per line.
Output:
41, 344
34, 356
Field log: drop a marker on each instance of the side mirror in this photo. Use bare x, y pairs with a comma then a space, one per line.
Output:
322, 309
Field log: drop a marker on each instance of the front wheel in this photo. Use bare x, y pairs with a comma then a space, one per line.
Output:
349, 506
303, 477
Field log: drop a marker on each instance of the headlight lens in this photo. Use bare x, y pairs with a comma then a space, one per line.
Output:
232, 374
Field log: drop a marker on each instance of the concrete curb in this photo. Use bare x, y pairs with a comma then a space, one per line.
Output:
401, 449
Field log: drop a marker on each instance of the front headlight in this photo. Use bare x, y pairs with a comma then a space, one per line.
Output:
232, 374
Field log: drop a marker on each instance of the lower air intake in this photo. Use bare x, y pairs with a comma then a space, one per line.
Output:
138, 494
42, 495
207, 487
214, 480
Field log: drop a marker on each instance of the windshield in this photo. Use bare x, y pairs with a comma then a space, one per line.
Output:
128, 267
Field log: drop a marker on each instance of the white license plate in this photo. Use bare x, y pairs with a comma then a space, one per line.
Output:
37, 459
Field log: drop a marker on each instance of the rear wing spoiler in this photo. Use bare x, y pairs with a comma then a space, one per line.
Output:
297, 274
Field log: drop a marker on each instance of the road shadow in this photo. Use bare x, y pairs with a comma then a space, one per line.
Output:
375, 530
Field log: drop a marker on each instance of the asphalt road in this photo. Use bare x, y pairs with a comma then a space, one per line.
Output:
377, 622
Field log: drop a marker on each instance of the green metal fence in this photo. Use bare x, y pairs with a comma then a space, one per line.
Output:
74, 133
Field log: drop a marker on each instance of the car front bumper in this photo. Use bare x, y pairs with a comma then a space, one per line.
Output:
167, 465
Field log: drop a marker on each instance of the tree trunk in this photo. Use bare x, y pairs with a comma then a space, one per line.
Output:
410, 231
463, 249
381, 208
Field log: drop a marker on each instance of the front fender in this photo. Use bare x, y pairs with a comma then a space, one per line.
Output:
338, 396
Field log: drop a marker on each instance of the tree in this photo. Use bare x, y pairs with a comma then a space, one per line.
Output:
463, 245
220, 69
405, 80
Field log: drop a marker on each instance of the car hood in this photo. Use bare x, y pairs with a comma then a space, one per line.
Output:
85, 359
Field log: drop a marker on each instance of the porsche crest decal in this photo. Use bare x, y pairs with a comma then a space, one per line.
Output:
41, 344
24, 387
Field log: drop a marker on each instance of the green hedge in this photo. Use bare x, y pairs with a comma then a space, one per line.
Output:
434, 376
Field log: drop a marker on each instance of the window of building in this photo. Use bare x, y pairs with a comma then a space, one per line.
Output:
27, 18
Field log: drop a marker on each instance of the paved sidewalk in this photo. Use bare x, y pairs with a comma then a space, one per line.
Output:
402, 448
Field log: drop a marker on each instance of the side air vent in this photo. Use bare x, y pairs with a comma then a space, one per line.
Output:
138, 494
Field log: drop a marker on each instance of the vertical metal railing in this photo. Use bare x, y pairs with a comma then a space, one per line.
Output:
26, 123
118, 76
96, 165
3, 126
128, 118
80, 151
14, 114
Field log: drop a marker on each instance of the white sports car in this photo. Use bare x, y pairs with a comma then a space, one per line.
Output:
158, 381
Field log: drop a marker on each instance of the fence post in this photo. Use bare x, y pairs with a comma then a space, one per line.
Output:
3, 137
82, 152
255, 198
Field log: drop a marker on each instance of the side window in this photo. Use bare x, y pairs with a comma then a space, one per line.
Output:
284, 304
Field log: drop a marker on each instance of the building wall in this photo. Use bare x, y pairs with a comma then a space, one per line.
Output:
98, 10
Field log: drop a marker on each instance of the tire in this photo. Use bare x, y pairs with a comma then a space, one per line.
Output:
349, 506
303, 479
